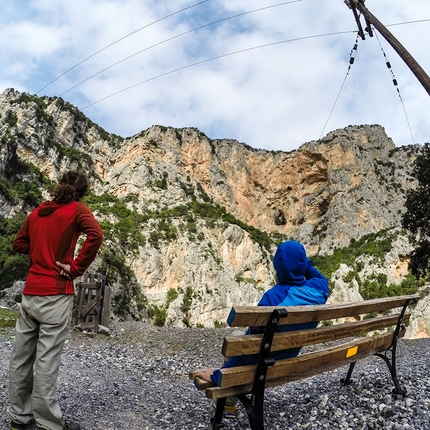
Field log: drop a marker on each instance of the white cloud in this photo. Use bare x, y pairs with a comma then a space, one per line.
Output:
276, 97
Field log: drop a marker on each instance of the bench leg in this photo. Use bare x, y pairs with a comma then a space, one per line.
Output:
254, 409
392, 368
217, 419
347, 380
391, 363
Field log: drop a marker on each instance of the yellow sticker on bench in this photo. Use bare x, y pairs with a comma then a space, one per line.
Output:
351, 351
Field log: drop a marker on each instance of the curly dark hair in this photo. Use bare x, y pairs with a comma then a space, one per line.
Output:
72, 186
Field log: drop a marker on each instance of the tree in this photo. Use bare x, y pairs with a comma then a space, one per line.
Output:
417, 216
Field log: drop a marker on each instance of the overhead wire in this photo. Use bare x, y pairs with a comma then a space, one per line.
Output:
227, 54
215, 58
122, 38
352, 56
176, 37
396, 84
159, 20
409, 22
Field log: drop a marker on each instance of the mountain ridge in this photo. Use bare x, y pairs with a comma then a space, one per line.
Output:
198, 216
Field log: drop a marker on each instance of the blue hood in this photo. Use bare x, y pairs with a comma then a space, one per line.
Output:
290, 263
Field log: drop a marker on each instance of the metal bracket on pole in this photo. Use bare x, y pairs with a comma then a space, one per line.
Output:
357, 20
416, 69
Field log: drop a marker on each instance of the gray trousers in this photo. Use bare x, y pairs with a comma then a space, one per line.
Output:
41, 330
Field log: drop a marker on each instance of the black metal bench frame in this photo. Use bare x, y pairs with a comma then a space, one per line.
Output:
254, 400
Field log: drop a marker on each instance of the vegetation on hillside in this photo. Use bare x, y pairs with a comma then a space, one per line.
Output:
40, 105
375, 245
12, 266
372, 247
168, 222
8, 318
124, 229
22, 181
417, 216
124, 232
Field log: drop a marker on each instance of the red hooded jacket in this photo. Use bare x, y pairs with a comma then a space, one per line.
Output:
50, 234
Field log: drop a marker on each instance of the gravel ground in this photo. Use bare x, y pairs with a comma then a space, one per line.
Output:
138, 379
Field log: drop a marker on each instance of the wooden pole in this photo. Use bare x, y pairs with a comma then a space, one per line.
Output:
416, 69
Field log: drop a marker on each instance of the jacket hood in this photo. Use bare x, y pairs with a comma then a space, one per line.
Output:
290, 263
46, 208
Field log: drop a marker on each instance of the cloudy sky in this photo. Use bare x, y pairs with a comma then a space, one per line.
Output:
268, 73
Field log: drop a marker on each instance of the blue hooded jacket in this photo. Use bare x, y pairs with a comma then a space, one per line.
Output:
299, 284
295, 271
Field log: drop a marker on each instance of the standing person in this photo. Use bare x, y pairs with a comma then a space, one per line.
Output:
299, 284
49, 237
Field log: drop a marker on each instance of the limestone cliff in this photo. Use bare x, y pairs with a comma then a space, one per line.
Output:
202, 217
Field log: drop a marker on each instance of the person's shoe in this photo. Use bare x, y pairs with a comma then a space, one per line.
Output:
71, 426
17, 426
230, 412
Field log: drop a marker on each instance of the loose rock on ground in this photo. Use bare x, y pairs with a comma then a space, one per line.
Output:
138, 379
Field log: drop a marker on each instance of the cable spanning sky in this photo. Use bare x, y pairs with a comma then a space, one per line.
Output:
263, 72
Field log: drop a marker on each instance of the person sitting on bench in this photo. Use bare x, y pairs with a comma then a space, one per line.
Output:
299, 284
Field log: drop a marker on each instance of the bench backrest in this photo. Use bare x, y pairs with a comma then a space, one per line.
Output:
249, 316
239, 380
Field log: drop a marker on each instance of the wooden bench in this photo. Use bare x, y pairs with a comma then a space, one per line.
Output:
370, 327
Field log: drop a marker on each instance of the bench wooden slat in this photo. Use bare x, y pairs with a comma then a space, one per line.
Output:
246, 316
217, 392
251, 344
242, 375
200, 383
239, 380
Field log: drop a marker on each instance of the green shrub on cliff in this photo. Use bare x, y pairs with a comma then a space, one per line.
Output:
12, 266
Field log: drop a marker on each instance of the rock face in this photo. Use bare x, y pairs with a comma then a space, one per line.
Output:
325, 193
226, 197
420, 323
